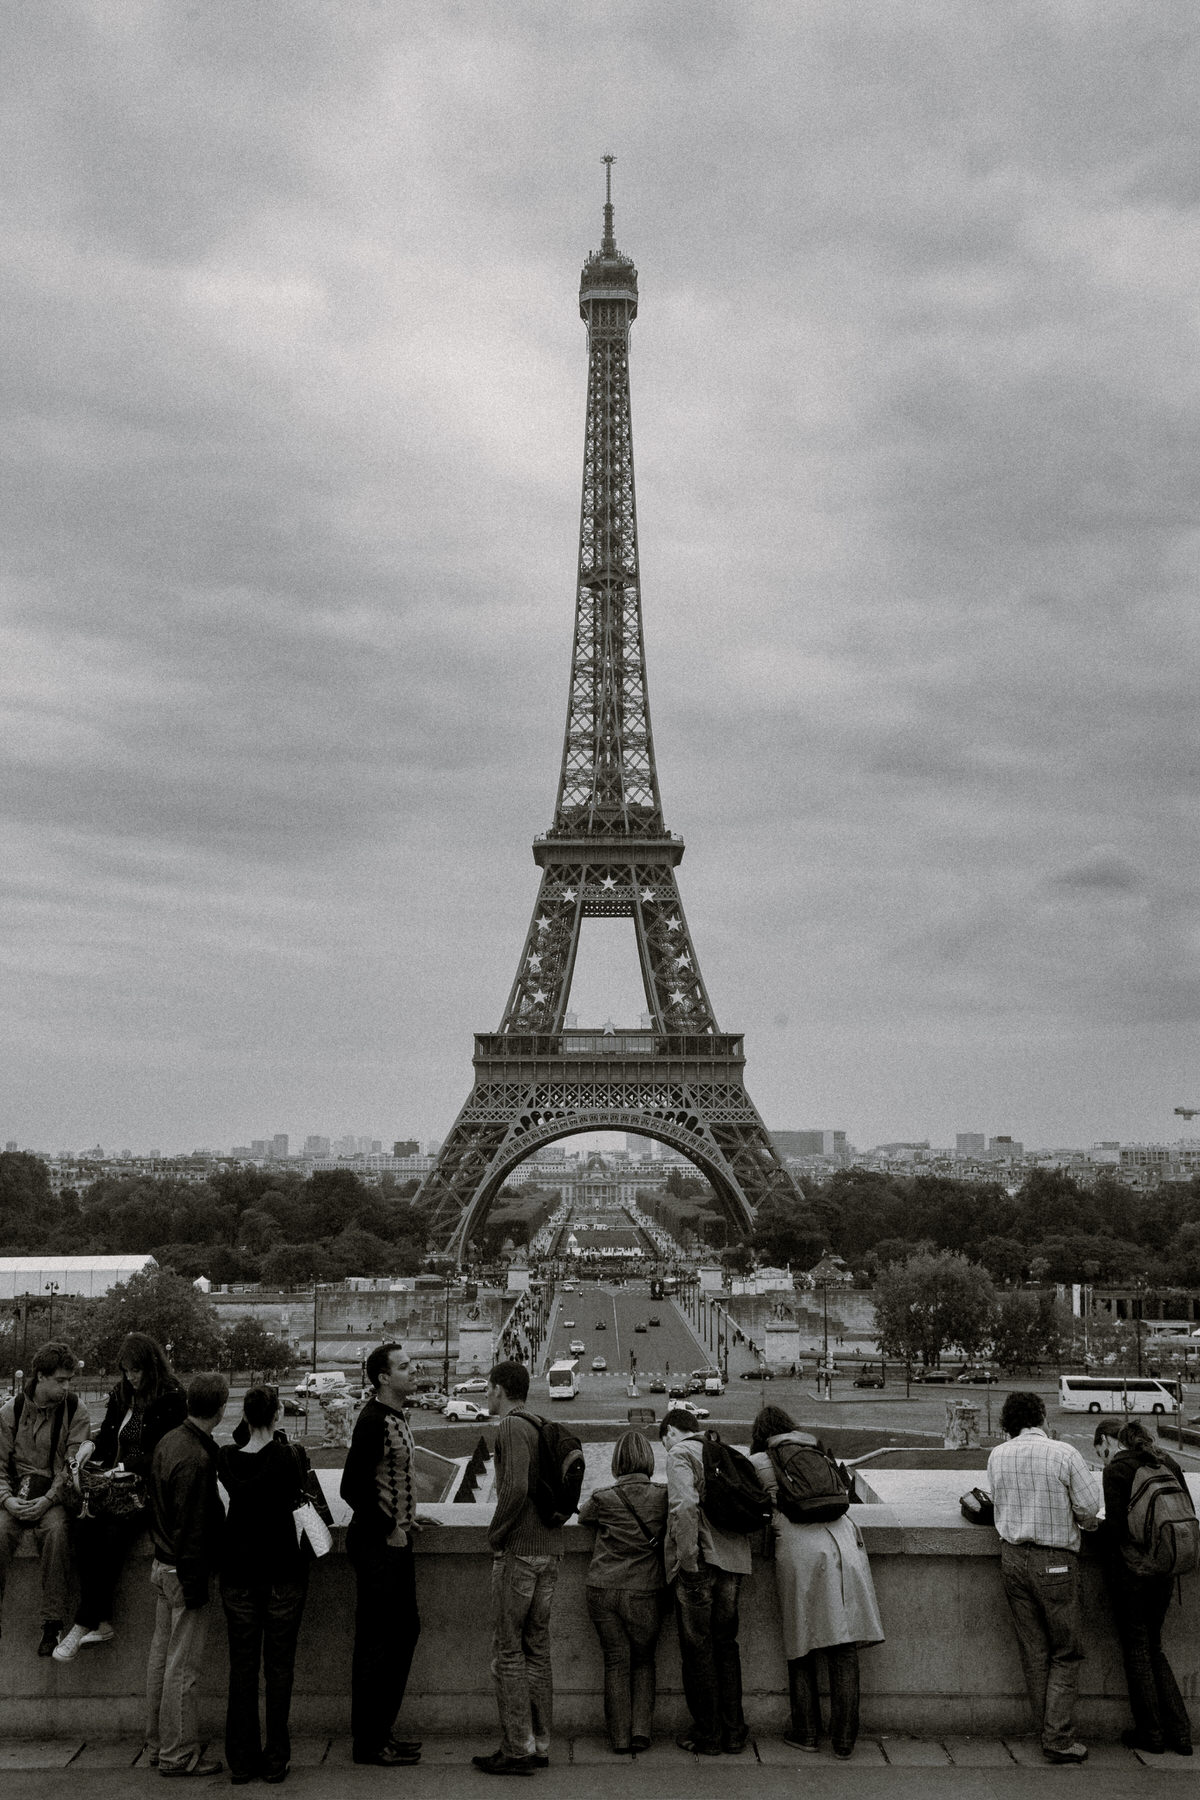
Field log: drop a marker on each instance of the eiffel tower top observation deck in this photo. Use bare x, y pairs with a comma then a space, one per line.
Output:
607, 854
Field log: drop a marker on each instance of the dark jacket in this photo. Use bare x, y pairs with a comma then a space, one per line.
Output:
265, 1487
163, 1414
359, 1488
516, 1524
624, 1556
187, 1519
1118, 1486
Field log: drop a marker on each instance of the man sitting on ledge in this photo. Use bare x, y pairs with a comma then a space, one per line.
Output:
1043, 1492
41, 1431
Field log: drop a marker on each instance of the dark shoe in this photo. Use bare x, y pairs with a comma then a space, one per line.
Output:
1180, 1749
276, 1775
641, 1743
197, 1766
388, 1756
621, 1749
842, 1750
1074, 1753
538, 1760
1133, 1740
799, 1743
243, 1776
500, 1764
50, 1636
697, 1748
406, 1746
734, 1746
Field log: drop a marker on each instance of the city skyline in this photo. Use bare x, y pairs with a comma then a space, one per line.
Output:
295, 373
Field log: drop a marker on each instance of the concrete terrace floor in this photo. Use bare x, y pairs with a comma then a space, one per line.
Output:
584, 1767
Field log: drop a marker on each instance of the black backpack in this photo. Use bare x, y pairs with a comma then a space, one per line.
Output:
734, 1499
560, 1470
810, 1489
1162, 1524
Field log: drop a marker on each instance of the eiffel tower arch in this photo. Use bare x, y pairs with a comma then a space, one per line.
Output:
608, 854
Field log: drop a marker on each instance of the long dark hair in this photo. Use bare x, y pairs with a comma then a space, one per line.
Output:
1134, 1436
771, 1422
138, 1351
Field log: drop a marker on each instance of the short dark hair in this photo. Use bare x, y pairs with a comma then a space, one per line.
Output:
771, 1421
513, 1377
206, 1395
261, 1406
632, 1455
682, 1417
49, 1358
379, 1362
1020, 1410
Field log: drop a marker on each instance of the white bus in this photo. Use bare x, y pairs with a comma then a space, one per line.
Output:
1115, 1394
562, 1379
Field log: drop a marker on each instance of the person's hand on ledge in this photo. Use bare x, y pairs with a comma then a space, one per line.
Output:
421, 1520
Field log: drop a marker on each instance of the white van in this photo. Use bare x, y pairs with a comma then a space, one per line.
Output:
319, 1382
1115, 1394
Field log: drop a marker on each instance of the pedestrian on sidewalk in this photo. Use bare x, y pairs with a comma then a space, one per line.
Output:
42, 1431
144, 1405
187, 1522
826, 1597
625, 1588
377, 1486
264, 1584
1044, 1494
1140, 1595
525, 1558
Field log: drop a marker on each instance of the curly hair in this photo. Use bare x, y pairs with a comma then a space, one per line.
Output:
1020, 1410
770, 1421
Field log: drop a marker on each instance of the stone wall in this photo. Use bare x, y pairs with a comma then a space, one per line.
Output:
949, 1665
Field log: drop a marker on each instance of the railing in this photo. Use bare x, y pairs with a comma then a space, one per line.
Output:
711, 1046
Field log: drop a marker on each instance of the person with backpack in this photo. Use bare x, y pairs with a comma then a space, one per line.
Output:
826, 1596
1044, 1494
625, 1586
1150, 1537
144, 1405
526, 1552
706, 1563
43, 1429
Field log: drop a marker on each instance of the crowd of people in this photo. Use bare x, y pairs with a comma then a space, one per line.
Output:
658, 1548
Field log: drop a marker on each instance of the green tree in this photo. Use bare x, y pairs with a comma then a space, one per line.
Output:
929, 1303
1028, 1329
162, 1304
250, 1346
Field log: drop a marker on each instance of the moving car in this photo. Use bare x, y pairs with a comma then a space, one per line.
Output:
654, 1319
476, 1385
656, 1385
978, 1374
600, 1325
577, 1346
701, 1412
757, 1375
868, 1381
464, 1409
431, 1401
598, 1365
568, 1324
933, 1377
639, 1326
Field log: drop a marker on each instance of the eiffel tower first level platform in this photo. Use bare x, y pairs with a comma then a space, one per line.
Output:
607, 854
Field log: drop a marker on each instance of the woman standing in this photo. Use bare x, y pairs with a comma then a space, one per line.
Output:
826, 1598
1140, 1598
264, 1584
625, 1586
146, 1403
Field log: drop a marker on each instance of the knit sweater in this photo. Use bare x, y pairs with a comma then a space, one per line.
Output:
515, 1524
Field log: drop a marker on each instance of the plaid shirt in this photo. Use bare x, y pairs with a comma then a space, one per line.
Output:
1042, 1490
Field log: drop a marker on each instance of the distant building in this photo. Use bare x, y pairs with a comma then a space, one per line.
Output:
809, 1143
406, 1147
86, 1277
1005, 1148
970, 1143
279, 1146
316, 1146
259, 1147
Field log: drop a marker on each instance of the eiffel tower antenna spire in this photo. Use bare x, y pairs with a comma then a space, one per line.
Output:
607, 854
608, 246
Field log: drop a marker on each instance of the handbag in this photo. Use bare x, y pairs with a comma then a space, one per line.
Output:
976, 1507
309, 1524
111, 1493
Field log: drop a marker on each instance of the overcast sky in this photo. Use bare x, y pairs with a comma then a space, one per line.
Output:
294, 385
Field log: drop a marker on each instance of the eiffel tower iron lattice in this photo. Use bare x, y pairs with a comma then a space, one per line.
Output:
608, 854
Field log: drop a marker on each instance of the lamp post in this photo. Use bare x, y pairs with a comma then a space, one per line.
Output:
52, 1289
446, 1341
316, 1285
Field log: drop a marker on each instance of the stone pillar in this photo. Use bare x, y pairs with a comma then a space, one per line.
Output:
782, 1345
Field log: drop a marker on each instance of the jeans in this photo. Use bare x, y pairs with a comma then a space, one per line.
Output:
176, 1652
842, 1663
1140, 1605
52, 1534
102, 1546
263, 1621
627, 1623
386, 1628
522, 1594
706, 1612
1042, 1589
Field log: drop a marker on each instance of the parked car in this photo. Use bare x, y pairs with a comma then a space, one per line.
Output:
476, 1385
464, 1410
577, 1346
433, 1401
868, 1381
757, 1375
977, 1375
598, 1365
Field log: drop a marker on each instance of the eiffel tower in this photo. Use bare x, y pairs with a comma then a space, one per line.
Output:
608, 854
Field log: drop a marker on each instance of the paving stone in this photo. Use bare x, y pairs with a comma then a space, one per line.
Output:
595, 1750
445, 1751
868, 1754
914, 1753
773, 1753
309, 1752
39, 1753
978, 1753
1028, 1753
109, 1754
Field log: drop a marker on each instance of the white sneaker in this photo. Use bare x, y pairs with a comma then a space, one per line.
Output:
103, 1634
67, 1647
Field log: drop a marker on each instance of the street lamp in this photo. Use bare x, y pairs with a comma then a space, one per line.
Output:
52, 1289
446, 1342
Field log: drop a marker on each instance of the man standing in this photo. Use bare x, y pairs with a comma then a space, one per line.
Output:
1043, 1493
377, 1485
525, 1559
41, 1431
187, 1523
707, 1566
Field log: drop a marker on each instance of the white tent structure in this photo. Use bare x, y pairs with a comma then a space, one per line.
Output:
87, 1277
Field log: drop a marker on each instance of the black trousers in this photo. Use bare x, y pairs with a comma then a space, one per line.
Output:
263, 1620
386, 1629
102, 1546
841, 1660
1140, 1605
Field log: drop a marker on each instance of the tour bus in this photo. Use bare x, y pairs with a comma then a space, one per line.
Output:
562, 1379
1115, 1394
